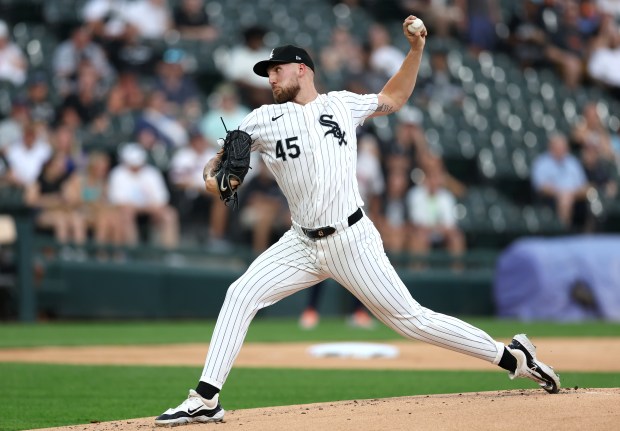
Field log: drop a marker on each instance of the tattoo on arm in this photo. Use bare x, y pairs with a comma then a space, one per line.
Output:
384, 107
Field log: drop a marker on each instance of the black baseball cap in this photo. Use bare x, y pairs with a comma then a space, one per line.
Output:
282, 55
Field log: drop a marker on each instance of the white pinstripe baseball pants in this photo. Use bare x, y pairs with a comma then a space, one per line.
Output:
354, 257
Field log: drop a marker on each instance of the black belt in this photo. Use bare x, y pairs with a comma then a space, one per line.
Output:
322, 232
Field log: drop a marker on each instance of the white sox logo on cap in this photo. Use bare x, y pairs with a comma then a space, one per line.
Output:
282, 55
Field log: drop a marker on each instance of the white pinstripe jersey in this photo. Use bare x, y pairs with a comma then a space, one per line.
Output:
312, 152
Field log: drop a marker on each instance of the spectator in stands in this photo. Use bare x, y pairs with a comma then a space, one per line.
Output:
264, 209
115, 103
192, 21
441, 87
528, 39
367, 80
65, 145
11, 128
369, 175
341, 58
88, 100
156, 149
602, 174
5, 171
481, 17
429, 161
56, 194
409, 140
148, 19
132, 94
384, 56
158, 121
224, 105
590, 17
38, 99
590, 132
104, 20
237, 67
431, 210
189, 194
567, 48
13, 64
134, 55
27, 156
560, 181
394, 220
609, 7
139, 190
70, 55
179, 88
95, 207
604, 60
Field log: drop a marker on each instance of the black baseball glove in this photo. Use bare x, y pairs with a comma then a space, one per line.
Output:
233, 165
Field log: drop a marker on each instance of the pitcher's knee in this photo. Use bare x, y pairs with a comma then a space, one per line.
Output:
241, 295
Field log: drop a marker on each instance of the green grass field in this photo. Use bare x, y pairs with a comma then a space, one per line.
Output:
264, 330
41, 395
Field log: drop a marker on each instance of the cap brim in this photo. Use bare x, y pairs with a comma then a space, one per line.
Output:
260, 68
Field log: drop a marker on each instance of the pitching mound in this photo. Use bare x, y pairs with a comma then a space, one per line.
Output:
570, 410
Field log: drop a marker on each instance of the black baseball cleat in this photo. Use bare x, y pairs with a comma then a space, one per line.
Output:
530, 367
193, 409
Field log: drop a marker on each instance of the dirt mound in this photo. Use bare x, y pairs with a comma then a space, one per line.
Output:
532, 410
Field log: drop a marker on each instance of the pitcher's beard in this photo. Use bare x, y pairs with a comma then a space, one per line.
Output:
286, 94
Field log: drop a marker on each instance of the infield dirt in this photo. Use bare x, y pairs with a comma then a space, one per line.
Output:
531, 410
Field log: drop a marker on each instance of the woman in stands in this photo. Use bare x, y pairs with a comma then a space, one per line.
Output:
56, 195
95, 207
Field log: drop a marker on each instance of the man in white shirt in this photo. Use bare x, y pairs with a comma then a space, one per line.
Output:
236, 65
12, 127
13, 63
27, 156
384, 57
139, 189
431, 211
150, 18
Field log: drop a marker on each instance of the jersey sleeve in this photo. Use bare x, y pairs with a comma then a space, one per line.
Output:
361, 106
252, 126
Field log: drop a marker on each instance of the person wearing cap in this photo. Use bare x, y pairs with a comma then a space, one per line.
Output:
308, 142
13, 64
179, 88
138, 189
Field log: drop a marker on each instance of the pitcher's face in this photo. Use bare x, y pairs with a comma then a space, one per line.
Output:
284, 81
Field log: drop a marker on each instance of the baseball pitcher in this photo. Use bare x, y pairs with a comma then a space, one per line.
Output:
308, 141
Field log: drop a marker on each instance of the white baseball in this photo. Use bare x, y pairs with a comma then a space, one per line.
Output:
416, 26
